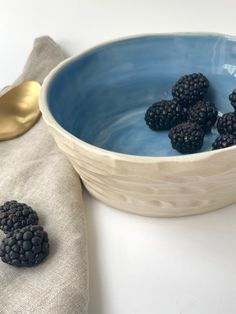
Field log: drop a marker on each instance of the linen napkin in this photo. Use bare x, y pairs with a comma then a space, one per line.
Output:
34, 171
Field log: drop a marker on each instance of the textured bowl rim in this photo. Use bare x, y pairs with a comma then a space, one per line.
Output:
51, 121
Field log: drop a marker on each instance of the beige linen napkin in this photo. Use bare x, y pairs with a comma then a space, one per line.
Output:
33, 170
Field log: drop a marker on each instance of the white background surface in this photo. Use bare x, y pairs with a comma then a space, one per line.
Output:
137, 265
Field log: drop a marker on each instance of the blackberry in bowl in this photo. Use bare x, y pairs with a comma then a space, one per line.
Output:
204, 113
187, 138
224, 141
190, 88
164, 114
94, 105
226, 124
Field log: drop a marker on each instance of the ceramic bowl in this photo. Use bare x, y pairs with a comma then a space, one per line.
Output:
94, 105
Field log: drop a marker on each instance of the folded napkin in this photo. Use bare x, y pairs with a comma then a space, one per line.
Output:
33, 171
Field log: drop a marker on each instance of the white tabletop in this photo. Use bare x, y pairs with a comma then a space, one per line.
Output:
145, 265
138, 265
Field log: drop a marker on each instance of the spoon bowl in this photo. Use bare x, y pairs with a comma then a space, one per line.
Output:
19, 110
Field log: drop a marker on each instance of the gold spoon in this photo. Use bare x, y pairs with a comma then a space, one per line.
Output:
19, 110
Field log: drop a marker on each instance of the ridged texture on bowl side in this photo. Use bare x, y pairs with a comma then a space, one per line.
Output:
159, 189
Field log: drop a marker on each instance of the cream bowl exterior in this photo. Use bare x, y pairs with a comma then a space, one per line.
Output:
151, 186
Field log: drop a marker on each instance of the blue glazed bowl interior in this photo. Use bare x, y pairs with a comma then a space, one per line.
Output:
101, 97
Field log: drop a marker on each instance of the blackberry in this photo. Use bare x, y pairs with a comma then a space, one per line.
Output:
190, 88
187, 138
164, 114
232, 99
223, 141
14, 215
227, 123
203, 113
25, 247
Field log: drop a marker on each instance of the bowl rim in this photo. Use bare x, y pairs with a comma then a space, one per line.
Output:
51, 121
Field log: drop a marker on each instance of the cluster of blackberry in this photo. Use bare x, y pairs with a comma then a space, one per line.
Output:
26, 243
188, 117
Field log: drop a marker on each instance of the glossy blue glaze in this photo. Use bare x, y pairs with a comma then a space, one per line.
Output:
101, 97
